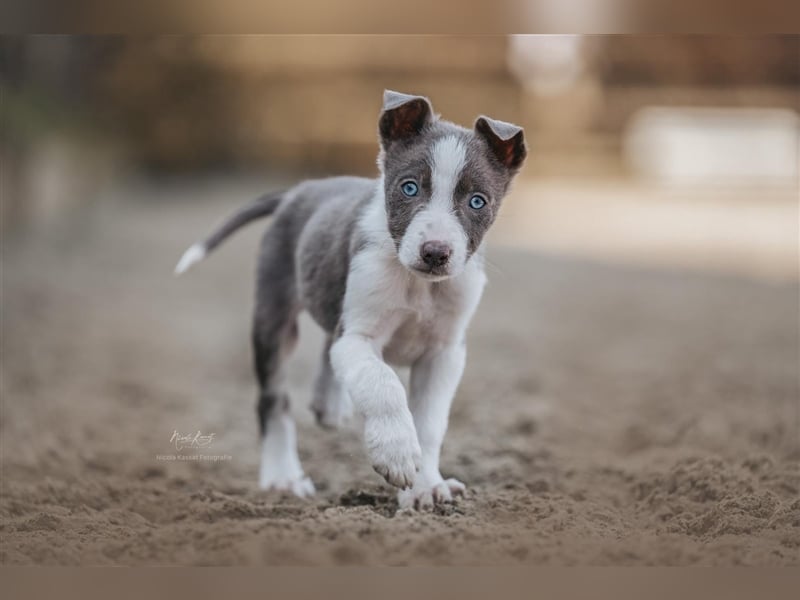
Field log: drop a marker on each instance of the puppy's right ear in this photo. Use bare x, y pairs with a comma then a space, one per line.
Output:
403, 116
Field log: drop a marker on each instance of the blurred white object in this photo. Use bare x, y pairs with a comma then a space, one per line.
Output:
546, 65
714, 145
596, 16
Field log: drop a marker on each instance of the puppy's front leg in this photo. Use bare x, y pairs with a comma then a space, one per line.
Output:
378, 395
434, 379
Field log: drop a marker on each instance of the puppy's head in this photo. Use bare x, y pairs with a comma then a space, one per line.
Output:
443, 183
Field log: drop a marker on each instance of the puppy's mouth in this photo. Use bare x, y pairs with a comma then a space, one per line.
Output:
427, 273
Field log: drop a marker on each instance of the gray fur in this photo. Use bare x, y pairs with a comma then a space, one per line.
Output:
305, 255
263, 206
327, 243
303, 264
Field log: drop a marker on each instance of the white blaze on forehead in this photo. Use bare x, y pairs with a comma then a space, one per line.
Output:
449, 155
437, 220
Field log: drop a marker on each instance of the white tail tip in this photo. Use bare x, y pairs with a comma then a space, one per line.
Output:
193, 255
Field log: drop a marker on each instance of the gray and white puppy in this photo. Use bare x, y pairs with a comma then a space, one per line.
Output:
392, 270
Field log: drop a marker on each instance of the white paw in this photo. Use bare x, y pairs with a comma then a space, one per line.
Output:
393, 449
426, 496
280, 464
302, 486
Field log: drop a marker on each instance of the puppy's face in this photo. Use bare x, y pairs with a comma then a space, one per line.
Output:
443, 184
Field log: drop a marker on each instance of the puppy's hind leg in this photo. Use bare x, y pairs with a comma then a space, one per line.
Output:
331, 404
274, 337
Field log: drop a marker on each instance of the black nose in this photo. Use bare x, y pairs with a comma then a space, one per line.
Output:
435, 254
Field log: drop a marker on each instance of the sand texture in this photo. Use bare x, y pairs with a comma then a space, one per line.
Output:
607, 415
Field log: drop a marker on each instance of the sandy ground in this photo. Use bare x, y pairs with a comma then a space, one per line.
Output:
608, 415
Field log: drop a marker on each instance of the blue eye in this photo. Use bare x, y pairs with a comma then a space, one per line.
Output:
409, 188
477, 202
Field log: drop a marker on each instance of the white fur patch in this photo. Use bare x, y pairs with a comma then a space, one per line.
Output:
449, 157
437, 222
194, 254
280, 464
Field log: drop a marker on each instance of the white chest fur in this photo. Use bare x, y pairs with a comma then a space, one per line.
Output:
403, 314
430, 317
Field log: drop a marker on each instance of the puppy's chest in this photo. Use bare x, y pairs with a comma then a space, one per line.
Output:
426, 323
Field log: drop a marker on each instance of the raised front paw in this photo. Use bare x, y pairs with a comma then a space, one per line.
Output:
393, 448
424, 496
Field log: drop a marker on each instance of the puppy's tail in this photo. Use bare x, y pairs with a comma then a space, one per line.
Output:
262, 206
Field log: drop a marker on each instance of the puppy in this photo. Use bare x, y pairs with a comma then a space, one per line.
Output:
392, 269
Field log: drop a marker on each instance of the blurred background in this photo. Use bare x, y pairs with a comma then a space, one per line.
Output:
677, 150
631, 395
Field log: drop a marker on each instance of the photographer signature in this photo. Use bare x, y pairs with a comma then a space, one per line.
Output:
191, 440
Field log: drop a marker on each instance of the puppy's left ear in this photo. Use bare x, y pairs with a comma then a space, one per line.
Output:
506, 141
